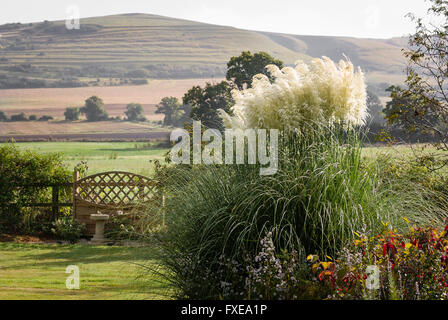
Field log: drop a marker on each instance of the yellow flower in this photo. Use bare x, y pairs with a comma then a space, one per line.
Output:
312, 258
325, 265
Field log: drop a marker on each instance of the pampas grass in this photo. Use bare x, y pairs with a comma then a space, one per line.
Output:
321, 196
322, 91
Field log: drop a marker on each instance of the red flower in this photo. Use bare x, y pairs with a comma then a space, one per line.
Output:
389, 248
444, 259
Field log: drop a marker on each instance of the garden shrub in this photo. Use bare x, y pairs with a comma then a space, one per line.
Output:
122, 227
267, 275
272, 275
27, 168
68, 229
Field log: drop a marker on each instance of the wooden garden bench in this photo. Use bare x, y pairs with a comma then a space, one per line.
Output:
113, 193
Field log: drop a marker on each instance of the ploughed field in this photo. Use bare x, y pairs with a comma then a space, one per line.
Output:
53, 101
82, 131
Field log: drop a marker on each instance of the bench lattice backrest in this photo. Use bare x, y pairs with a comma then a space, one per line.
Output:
115, 189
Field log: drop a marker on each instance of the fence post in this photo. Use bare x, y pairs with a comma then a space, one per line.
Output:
163, 209
55, 201
75, 190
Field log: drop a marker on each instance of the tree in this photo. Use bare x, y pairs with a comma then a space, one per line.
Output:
184, 116
45, 118
3, 116
423, 105
205, 103
375, 108
142, 74
134, 112
243, 68
170, 107
72, 114
19, 117
94, 109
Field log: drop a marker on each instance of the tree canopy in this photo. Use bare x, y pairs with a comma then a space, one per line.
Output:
423, 105
72, 114
241, 69
169, 106
134, 112
375, 108
206, 101
3, 116
94, 109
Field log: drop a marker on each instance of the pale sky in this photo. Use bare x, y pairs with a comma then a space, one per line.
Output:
357, 18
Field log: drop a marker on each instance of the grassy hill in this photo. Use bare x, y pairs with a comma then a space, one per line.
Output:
128, 48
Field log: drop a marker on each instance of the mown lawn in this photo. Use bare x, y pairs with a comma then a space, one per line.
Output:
37, 271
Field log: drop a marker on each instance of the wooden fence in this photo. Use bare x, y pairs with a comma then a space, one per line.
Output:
108, 191
54, 204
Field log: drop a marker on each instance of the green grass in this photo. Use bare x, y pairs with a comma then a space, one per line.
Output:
130, 156
405, 153
103, 156
400, 150
37, 271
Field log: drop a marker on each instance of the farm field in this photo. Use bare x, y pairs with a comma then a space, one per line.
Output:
37, 271
104, 156
166, 47
54, 101
36, 128
136, 156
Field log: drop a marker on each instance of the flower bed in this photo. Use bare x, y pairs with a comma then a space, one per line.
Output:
413, 265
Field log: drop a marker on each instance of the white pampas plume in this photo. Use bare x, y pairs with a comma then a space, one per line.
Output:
321, 91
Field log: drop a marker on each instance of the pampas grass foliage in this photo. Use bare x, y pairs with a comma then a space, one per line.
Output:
322, 194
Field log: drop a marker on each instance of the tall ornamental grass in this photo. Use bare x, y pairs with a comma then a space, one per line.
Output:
322, 194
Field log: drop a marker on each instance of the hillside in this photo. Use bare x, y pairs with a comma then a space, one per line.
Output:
128, 48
